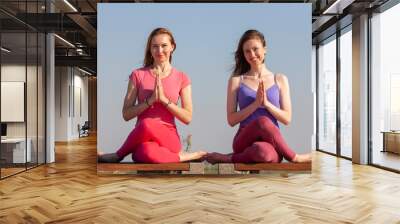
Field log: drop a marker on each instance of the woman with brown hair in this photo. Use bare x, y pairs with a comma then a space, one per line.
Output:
263, 98
152, 97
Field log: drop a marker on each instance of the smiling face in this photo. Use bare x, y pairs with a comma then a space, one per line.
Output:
250, 52
254, 51
161, 48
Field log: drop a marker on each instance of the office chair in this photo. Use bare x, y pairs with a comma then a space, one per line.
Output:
84, 130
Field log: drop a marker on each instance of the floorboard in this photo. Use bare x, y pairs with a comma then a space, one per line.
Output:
70, 191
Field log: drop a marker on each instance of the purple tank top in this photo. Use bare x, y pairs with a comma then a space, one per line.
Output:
247, 95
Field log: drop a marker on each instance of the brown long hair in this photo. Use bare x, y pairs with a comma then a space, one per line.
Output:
241, 65
148, 59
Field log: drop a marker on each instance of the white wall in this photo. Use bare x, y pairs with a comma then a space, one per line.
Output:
70, 83
15, 73
61, 103
33, 126
80, 84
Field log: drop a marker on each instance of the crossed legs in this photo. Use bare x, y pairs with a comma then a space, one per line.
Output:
152, 142
259, 141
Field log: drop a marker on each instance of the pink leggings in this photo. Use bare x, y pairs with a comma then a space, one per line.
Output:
260, 141
152, 142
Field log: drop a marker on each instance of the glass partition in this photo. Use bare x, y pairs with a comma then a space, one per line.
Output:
22, 87
14, 152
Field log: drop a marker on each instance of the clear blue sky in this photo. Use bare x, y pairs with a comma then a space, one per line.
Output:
206, 36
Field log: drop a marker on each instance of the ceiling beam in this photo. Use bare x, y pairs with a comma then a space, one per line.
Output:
84, 61
83, 23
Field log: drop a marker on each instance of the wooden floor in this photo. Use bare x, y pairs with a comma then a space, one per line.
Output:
387, 159
10, 171
70, 191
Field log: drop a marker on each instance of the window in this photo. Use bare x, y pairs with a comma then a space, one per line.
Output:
327, 95
346, 74
385, 88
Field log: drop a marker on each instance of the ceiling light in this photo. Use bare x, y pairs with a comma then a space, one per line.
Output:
337, 7
331, 7
5, 50
84, 71
71, 6
79, 51
65, 41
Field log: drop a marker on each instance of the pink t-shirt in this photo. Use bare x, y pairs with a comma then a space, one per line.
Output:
144, 81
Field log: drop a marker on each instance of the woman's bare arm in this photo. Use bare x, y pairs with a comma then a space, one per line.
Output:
183, 113
130, 110
283, 114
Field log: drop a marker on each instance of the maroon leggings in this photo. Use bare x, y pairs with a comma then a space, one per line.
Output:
152, 142
260, 141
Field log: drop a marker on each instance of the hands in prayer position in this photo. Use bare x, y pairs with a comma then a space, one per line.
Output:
261, 98
158, 93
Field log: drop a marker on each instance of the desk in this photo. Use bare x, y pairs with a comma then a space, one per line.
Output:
391, 141
15, 148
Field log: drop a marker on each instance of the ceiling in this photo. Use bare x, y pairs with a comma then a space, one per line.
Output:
76, 22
